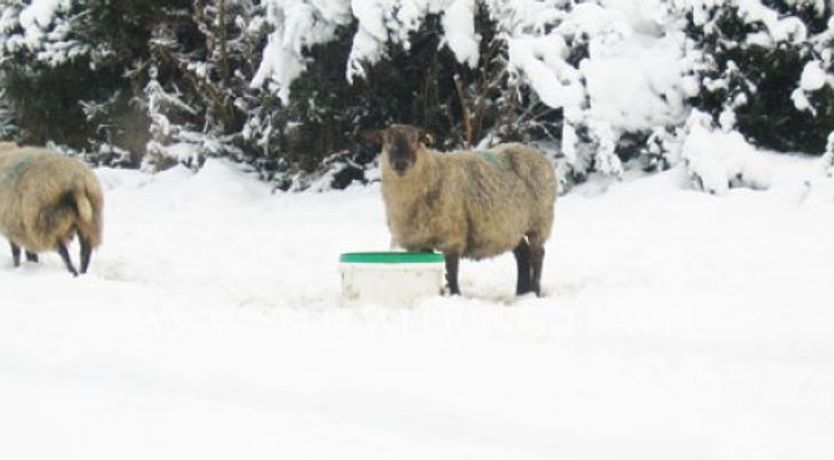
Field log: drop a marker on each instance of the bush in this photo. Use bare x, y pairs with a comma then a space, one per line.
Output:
753, 62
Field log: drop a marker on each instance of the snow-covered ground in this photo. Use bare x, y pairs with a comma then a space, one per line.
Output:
675, 324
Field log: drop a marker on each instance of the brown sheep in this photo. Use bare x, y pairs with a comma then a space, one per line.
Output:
468, 204
45, 200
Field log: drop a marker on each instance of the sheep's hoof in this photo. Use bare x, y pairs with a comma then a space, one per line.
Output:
522, 291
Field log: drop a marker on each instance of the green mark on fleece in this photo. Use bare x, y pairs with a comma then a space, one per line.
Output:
490, 157
15, 171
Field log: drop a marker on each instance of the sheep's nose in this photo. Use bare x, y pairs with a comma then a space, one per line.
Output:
400, 165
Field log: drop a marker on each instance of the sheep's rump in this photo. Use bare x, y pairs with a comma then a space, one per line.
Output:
45, 197
509, 192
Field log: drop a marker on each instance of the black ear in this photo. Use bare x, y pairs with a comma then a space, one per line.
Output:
374, 136
426, 138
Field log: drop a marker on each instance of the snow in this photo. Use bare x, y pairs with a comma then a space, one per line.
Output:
789, 29
633, 78
391, 21
801, 102
645, 16
675, 324
626, 50
370, 33
459, 26
635, 84
629, 47
719, 160
777, 28
299, 24
541, 59
813, 77
37, 16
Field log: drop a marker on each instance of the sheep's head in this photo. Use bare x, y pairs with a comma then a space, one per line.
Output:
401, 145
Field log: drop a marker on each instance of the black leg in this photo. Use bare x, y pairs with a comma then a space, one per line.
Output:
522, 259
31, 257
452, 262
536, 262
86, 250
15, 253
62, 250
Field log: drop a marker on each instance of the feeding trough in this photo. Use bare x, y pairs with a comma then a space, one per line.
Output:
390, 278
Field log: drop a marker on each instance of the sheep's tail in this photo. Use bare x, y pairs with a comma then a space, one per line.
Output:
88, 202
85, 209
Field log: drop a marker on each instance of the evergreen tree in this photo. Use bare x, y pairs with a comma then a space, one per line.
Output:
68, 71
288, 86
8, 124
752, 64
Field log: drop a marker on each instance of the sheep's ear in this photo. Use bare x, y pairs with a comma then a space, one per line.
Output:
426, 138
374, 136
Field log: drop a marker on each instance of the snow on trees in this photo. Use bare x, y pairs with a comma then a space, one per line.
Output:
287, 85
590, 61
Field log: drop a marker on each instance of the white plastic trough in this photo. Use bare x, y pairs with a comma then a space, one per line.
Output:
396, 279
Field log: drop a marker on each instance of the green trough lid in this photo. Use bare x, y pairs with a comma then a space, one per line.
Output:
391, 257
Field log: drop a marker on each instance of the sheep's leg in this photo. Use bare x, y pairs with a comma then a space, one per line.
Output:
522, 259
86, 250
536, 262
62, 250
452, 262
15, 253
31, 257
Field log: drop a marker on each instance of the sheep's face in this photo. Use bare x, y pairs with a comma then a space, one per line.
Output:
401, 145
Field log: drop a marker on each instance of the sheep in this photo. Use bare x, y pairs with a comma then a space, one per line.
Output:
468, 204
45, 199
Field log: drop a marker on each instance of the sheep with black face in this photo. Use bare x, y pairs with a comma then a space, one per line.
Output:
468, 204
